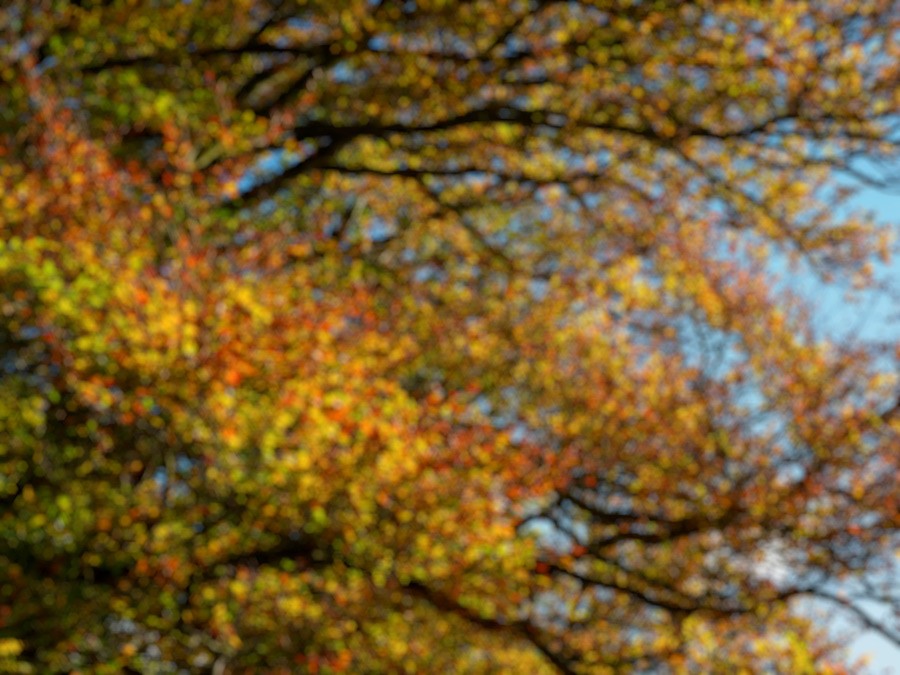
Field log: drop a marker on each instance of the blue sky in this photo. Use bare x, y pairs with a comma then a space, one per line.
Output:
878, 320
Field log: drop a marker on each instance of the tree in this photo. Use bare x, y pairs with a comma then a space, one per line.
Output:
433, 336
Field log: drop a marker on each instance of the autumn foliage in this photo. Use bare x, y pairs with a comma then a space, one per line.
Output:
437, 336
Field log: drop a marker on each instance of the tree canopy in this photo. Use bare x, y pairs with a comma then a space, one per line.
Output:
438, 336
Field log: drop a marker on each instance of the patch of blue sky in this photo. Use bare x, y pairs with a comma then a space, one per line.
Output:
880, 323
